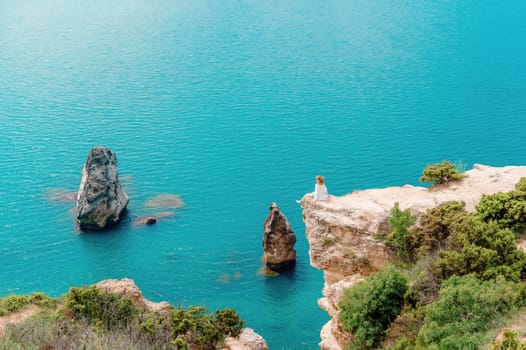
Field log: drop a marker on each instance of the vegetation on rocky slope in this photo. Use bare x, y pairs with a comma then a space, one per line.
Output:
92, 318
466, 278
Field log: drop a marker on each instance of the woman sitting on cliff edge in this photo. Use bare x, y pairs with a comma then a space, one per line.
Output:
320, 190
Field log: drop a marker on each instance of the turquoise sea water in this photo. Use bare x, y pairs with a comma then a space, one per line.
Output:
234, 105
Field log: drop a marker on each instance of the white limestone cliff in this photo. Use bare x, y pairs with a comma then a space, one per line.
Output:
341, 231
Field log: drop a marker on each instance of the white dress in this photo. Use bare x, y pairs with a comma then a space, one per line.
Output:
320, 192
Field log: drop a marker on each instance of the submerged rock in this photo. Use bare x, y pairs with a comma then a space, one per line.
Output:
165, 201
278, 241
61, 195
101, 199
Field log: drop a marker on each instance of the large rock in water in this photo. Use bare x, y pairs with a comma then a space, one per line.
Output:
101, 199
278, 241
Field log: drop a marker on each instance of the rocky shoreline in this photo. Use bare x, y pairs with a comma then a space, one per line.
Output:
247, 339
341, 231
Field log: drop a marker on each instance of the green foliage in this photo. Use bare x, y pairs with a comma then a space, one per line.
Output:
180, 344
327, 242
466, 309
431, 234
424, 285
370, 306
466, 278
92, 318
401, 237
101, 308
436, 225
402, 344
227, 322
510, 342
403, 332
14, 303
197, 327
42, 300
521, 185
441, 173
507, 209
484, 249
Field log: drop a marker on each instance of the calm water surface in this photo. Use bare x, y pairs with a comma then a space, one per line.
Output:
234, 105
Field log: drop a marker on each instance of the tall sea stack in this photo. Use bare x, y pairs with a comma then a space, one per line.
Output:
278, 241
101, 199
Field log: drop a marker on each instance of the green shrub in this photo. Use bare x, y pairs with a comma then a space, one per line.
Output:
368, 307
100, 308
441, 173
510, 342
14, 303
484, 249
401, 237
521, 185
466, 309
507, 209
92, 318
402, 344
403, 331
227, 322
206, 331
436, 225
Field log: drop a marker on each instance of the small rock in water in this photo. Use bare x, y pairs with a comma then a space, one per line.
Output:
149, 220
164, 201
278, 241
153, 218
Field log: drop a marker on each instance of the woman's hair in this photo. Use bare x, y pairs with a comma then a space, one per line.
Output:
320, 179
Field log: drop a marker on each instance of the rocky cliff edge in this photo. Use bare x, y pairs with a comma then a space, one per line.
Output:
341, 231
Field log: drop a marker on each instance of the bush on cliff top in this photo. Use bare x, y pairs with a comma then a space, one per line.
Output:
506, 209
441, 173
434, 228
484, 249
401, 237
14, 303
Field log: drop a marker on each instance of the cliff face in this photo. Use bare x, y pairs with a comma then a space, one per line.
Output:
341, 230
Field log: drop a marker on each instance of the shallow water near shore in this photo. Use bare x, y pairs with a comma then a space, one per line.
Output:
232, 106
